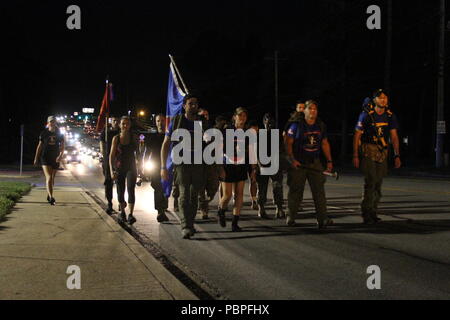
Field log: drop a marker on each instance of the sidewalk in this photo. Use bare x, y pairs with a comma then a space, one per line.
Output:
38, 242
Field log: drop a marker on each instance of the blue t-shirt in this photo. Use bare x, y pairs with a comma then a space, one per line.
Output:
383, 124
309, 140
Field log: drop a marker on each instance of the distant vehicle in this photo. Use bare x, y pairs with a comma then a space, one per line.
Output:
95, 152
71, 154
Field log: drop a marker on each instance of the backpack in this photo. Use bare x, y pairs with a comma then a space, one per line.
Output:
369, 108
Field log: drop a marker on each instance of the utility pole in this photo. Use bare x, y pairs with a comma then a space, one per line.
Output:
344, 101
440, 125
387, 66
276, 87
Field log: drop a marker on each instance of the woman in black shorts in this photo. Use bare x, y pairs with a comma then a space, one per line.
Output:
122, 161
233, 176
49, 152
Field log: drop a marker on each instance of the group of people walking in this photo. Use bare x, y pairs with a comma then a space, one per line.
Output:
303, 143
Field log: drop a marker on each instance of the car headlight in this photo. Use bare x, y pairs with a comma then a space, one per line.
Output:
149, 166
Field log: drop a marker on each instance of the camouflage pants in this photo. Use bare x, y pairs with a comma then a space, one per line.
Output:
210, 188
296, 182
374, 172
190, 180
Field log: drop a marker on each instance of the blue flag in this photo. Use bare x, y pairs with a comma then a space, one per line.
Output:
174, 107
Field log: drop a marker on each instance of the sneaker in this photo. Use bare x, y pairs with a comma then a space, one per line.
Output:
131, 219
325, 224
262, 212
290, 221
122, 217
186, 234
109, 209
204, 214
279, 214
161, 217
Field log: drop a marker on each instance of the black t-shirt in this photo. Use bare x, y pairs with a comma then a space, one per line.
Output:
154, 144
51, 142
111, 135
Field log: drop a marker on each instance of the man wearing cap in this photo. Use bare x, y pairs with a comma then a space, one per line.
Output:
277, 179
105, 149
376, 124
305, 141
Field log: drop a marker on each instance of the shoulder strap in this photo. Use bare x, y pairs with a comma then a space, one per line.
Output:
177, 120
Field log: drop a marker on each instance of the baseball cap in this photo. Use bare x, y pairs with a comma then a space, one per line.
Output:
379, 92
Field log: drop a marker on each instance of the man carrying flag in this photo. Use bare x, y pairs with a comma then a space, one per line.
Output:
189, 177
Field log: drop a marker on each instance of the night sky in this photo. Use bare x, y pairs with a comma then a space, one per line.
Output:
224, 50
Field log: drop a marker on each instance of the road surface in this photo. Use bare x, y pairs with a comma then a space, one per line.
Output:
270, 260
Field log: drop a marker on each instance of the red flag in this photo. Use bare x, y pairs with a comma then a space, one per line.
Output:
104, 110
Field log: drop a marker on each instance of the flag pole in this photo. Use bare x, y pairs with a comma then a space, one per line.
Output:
178, 74
105, 152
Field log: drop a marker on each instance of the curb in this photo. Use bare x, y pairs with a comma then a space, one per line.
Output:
169, 282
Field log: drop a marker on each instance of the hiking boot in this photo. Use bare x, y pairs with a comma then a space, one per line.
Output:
221, 216
234, 224
279, 213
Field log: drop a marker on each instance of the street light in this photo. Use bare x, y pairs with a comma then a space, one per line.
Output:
142, 113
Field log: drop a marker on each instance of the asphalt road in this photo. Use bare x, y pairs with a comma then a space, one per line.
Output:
270, 260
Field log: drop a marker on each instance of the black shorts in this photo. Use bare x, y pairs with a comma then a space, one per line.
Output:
49, 161
235, 173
